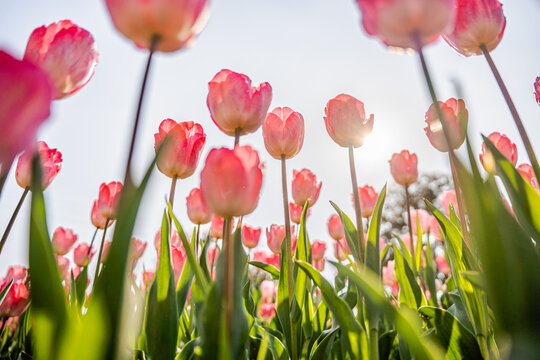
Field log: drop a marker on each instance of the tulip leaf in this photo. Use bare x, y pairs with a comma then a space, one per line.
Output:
270, 269
409, 290
283, 304
4, 291
403, 250
351, 234
373, 261
300, 278
188, 351
323, 346
184, 283
81, 282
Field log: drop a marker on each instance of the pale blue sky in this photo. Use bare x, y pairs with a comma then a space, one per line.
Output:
309, 51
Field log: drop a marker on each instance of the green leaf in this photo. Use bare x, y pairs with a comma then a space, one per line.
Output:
271, 269
4, 291
373, 261
186, 277
351, 234
283, 309
161, 326
300, 278
188, 351
409, 290
81, 283
323, 346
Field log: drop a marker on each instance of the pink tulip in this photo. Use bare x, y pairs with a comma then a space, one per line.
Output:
442, 265
305, 187
296, 213
105, 253
395, 22
335, 227
346, 122
231, 181
250, 236
339, 250
197, 210
212, 255
16, 300
17, 273
435, 228
147, 278
50, 161
267, 311
216, 228
404, 168
318, 249
283, 133
183, 148
423, 219
66, 52
97, 219
446, 198
174, 239
175, 23
506, 147
274, 237
259, 256
537, 89
24, 105
455, 118
478, 22
63, 266
527, 172
319, 264
178, 256
63, 240
388, 273
109, 196
368, 199
236, 106
268, 290
137, 249
80, 252
273, 259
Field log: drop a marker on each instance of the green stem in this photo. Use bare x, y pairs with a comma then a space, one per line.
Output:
357, 208
229, 275
90, 248
409, 221
482, 342
13, 217
373, 344
100, 253
173, 189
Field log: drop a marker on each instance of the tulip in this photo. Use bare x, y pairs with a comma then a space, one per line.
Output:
50, 161
404, 168
63, 266
178, 256
16, 300
174, 23
17, 273
24, 105
506, 147
317, 250
268, 290
147, 277
267, 311
368, 199
174, 239
236, 107
216, 228
305, 187
66, 52
105, 253
388, 273
273, 259
81, 252
296, 213
136, 250
435, 228
274, 237
423, 218
283, 133
109, 196
335, 227
527, 172
185, 142
339, 251
537, 90
398, 23
231, 181
97, 219
319, 264
478, 23
455, 122
259, 256
63, 240
197, 210
212, 255
250, 236
446, 198
346, 122
442, 265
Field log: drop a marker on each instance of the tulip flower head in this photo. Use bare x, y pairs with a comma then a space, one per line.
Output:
537, 89
63, 266
318, 249
109, 196
346, 122
339, 250
197, 210
446, 198
295, 212
80, 253
455, 119
183, 144
66, 52
506, 147
235, 105
442, 265
17, 273
16, 300
319, 264
97, 219
24, 105
105, 253
212, 256
274, 237
50, 161
335, 227
423, 218
404, 168
174, 23
527, 172
178, 258
268, 290
231, 181
63, 240
478, 23
305, 187
267, 311
368, 199
283, 133
273, 259
174, 239
216, 227
397, 22
435, 228
250, 236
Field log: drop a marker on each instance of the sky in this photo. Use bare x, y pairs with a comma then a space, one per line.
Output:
309, 51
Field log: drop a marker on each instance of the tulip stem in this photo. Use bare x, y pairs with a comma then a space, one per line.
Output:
228, 244
100, 252
4, 320
357, 208
409, 219
90, 248
173, 189
153, 44
451, 154
236, 136
13, 217
513, 111
3, 179
197, 242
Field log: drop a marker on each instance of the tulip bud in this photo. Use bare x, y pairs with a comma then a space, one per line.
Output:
368, 199
212, 255
216, 228
17, 273
97, 220
63, 240
404, 168
81, 252
183, 147
395, 22
455, 119
319, 264
66, 52
267, 311
305, 187
137, 249
175, 23
50, 161
235, 105
478, 22
296, 213
537, 89
197, 210
317, 250
339, 251
506, 147
273, 259
174, 239
250, 236
231, 181
283, 133
24, 105
275, 236
63, 266
435, 228
527, 172
105, 252
442, 265
335, 227
388, 273
446, 198
178, 258
423, 218
268, 290
109, 196
346, 122
16, 300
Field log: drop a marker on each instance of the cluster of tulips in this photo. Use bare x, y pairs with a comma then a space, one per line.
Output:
462, 284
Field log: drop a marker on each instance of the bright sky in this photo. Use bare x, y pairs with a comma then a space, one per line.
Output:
309, 51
